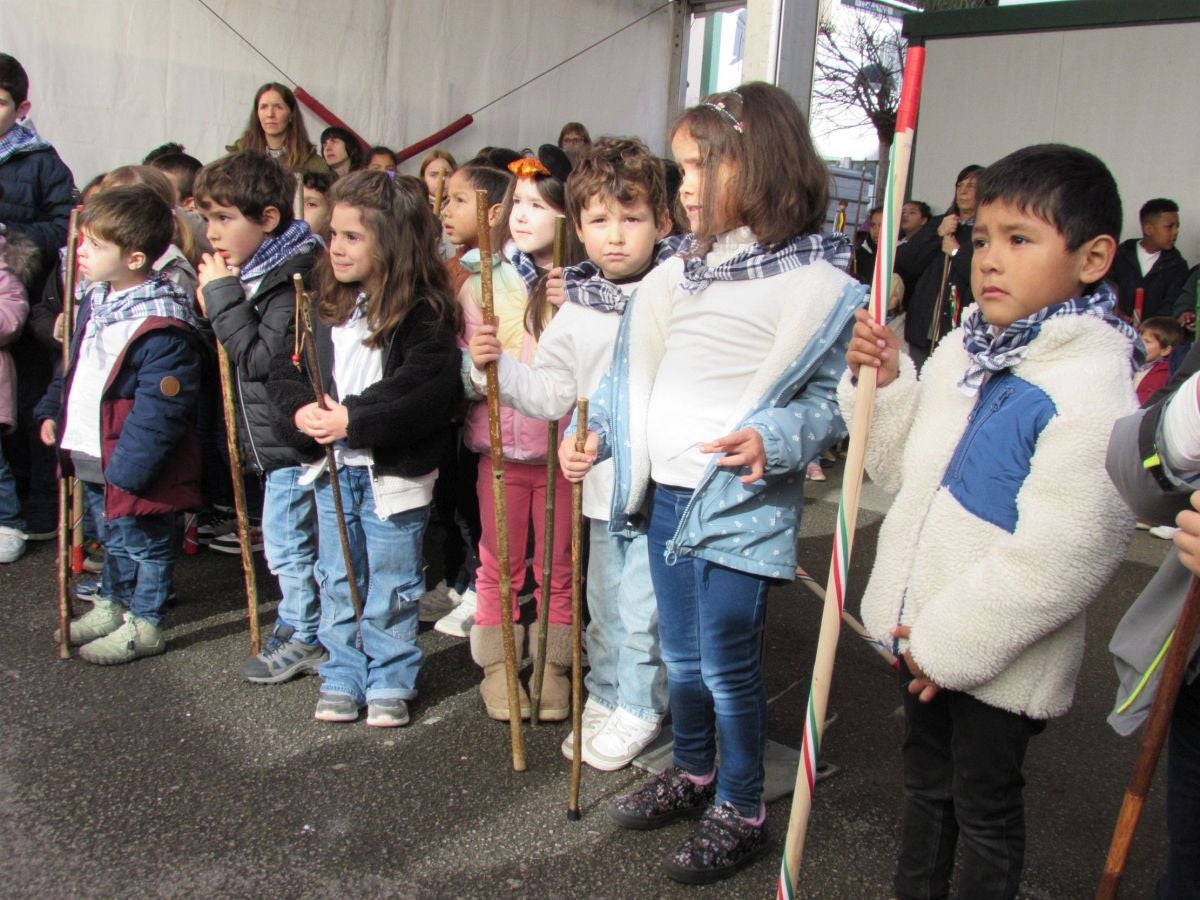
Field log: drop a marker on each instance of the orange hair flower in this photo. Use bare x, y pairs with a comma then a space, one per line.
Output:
527, 167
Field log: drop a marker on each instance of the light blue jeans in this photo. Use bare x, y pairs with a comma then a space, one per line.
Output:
380, 659
626, 664
290, 543
139, 557
10, 505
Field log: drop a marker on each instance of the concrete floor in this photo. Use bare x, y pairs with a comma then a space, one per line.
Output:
170, 777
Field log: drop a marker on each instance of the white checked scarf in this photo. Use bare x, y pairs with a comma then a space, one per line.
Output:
20, 139
586, 285
758, 262
157, 296
297, 238
991, 352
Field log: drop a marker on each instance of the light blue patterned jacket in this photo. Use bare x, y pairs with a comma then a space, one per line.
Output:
792, 403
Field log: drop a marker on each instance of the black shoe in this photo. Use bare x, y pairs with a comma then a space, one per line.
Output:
668, 796
721, 844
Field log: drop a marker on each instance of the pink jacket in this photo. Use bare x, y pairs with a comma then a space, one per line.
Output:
13, 310
523, 438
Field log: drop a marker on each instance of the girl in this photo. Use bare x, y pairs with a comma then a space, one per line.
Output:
384, 327
276, 128
437, 164
722, 388
381, 159
340, 150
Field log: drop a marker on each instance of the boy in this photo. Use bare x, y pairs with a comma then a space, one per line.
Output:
977, 582
1159, 335
617, 201
1151, 263
123, 415
247, 294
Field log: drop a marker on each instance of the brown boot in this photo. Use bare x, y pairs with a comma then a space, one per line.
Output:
556, 682
487, 649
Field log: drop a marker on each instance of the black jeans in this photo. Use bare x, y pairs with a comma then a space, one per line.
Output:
962, 775
1181, 881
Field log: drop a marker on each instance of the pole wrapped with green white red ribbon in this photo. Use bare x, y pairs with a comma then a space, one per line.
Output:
843, 538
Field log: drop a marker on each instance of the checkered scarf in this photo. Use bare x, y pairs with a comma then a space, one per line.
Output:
758, 262
297, 238
586, 285
991, 352
157, 296
524, 264
20, 139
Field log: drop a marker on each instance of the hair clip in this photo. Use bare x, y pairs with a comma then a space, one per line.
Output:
719, 106
527, 167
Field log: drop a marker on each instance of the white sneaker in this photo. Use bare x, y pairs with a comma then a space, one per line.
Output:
437, 601
815, 472
591, 720
458, 622
1166, 532
623, 737
12, 544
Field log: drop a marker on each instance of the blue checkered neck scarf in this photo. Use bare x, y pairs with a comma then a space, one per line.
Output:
991, 352
586, 285
758, 262
297, 238
524, 264
20, 139
157, 296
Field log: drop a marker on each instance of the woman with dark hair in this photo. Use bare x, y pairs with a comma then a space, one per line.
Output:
922, 260
340, 150
276, 128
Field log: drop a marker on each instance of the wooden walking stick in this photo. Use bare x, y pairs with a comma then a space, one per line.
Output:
440, 197
498, 499
935, 327
305, 343
229, 407
835, 599
581, 432
77, 539
539, 659
1159, 720
65, 483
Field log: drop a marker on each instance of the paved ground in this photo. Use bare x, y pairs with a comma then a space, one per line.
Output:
171, 778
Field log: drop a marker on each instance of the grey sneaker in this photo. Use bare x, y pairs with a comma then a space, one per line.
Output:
103, 618
336, 708
12, 544
135, 638
284, 657
389, 713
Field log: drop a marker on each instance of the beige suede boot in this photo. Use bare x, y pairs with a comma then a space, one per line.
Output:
487, 649
556, 682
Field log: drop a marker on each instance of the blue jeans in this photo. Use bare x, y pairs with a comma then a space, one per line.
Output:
10, 504
710, 621
626, 664
139, 557
380, 659
1181, 880
290, 543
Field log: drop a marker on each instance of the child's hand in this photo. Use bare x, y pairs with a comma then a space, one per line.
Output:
1187, 320
742, 448
921, 686
213, 266
873, 345
48, 433
59, 331
325, 426
1187, 538
485, 345
576, 465
555, 294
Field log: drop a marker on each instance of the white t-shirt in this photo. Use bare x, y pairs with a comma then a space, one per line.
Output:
1146, 259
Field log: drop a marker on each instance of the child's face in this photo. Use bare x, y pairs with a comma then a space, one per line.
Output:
873, 227
351, 245
273, 114
317, 211
1161, 231
334, 151
233, 235
531, 222
911, 218
101, 260
460, 223
438, 168
1154, 348
382, 162
1021, 264
10, 112
691, 189
619, 237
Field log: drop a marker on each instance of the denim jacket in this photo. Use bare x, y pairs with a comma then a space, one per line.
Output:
751, 528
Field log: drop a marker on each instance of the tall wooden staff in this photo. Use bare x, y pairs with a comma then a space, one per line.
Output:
65, 483
835, 599
239, 495
305, 342
581, 433
935, 327
1171, 680
539, 659
440, 197
493, 405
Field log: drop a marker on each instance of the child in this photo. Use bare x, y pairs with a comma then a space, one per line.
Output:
247, 293
122, 414
538, 197
384, 325
437, 165
1159, 334
316, 203
1152, 262
179, 262
721, 390
381, 159
617, 198
979, 582
14, 308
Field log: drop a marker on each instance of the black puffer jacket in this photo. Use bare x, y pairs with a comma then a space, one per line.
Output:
404, 418
38, 193
253, 333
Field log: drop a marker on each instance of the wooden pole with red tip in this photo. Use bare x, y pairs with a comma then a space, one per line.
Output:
66, 488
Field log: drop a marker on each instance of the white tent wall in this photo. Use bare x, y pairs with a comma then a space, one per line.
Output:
111, 79
986, 96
